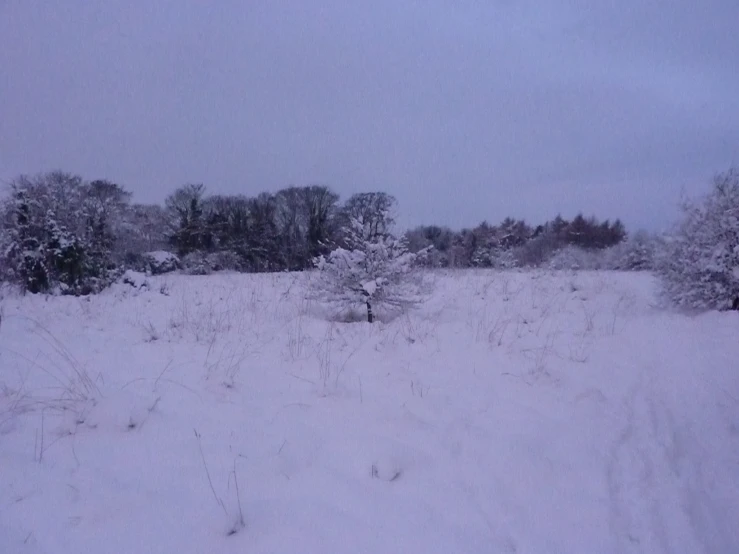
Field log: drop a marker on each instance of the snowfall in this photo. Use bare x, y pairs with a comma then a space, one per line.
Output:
531, 412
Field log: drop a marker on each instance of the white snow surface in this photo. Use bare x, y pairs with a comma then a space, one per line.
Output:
135, 279
513, 412
370, 287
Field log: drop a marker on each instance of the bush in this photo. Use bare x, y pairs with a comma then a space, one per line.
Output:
223, 261
200, 263
160, 262
574, 257
195, 263
537, 251
135, 279
699, 265
634, 254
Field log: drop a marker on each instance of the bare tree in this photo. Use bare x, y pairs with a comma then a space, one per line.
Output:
375, 211
321, 207
292, 223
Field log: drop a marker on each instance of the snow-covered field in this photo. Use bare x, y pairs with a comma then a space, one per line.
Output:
513, 412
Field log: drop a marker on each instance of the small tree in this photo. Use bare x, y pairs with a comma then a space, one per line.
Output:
379, 273
699, 264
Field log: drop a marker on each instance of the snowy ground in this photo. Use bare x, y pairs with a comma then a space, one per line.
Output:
527, 413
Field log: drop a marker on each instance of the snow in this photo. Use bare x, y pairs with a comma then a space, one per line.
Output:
512, 412
134, 278
161, 256
370, 287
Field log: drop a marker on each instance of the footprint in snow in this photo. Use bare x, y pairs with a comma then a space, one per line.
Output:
386, 469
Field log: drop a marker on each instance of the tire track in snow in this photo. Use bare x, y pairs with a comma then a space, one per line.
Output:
656, 481
624, 487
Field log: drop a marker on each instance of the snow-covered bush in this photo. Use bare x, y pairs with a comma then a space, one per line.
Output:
136, 279
160, 261
636, 253
574, 257
633, 254
495, 257
376, 274
201, 263
699, 264
224, 260
537, 251
195, 263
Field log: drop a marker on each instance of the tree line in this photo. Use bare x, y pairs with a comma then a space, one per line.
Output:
513, 243
62, 232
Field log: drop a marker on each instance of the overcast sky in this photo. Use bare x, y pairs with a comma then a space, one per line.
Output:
464, 110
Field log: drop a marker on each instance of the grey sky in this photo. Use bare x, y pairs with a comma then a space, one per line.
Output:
465, 110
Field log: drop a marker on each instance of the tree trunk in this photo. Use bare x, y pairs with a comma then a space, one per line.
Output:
735, 304
370, 317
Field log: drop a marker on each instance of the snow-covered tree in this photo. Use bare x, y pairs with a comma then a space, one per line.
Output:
60, 232
379, 273
699, 263
24, 243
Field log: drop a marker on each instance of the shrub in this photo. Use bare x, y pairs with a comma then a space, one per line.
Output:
196, 263
160, 261
699, 264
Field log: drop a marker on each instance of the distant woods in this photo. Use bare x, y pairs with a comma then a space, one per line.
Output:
61, 232
513, 243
